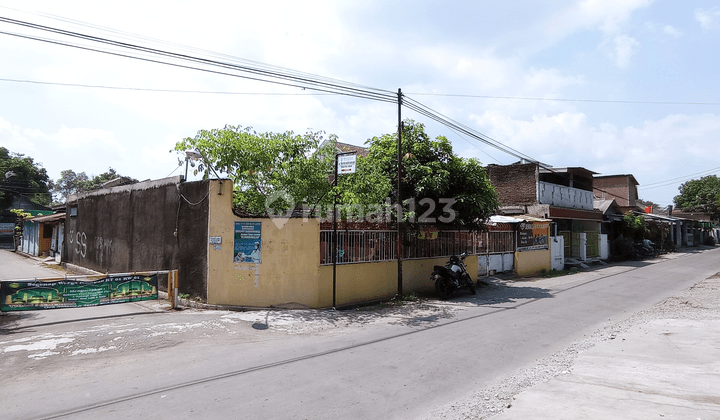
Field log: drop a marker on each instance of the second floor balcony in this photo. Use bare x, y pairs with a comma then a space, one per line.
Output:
562, 196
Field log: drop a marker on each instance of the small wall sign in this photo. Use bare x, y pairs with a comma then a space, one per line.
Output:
214, 240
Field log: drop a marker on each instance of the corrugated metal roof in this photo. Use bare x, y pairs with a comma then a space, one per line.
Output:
528, 218
48, 218
504, 219
517, 219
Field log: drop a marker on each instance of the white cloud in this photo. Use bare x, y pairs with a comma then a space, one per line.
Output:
610, 17
676, 143
669, 30
625, 47
79, 139
708, 17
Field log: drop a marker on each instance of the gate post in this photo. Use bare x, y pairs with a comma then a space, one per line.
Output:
173, 288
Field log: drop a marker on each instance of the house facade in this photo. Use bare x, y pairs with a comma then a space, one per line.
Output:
621, 188
564, 195
44, 235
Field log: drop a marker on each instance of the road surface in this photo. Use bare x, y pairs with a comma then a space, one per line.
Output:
214, 364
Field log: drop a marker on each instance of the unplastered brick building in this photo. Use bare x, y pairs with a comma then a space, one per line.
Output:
621, 188
564, 195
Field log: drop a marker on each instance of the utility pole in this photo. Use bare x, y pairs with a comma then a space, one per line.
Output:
399, 246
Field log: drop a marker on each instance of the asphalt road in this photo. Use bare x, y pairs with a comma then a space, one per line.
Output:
14, 266
203, 364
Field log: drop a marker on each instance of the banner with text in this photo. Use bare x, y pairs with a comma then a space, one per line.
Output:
34, 295
533, 236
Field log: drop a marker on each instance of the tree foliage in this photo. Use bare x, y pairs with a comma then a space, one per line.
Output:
635, 225
280, 170
700, 195
21, 176
431, 175
76, 183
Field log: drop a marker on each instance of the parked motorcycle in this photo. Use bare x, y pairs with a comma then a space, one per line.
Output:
453, 276
646, 249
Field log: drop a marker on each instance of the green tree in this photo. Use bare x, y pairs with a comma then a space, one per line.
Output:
635, 226
285, 171
21, 176
75, 183
279, 171
700, 195
436, 184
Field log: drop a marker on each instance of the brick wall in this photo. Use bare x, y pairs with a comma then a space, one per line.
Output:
618, 188
515, 184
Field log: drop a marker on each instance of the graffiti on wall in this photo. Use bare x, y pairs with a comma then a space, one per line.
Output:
103, 248
78, 242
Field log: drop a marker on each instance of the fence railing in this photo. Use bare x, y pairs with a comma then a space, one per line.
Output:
355, 246
358, 246
497, 242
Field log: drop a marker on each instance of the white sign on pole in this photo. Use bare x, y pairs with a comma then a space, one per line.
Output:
346, 164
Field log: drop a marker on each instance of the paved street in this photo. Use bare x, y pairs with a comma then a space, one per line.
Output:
15, 266
380, 362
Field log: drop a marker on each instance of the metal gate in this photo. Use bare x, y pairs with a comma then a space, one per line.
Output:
496, 252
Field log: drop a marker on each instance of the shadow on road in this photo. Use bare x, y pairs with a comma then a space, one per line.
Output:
11, 321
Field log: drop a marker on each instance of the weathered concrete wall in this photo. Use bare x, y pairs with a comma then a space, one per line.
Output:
192, 238
133, 228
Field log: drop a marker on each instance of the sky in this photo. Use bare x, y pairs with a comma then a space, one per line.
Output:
614, 86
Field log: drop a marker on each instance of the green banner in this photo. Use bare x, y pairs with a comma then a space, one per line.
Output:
34, 295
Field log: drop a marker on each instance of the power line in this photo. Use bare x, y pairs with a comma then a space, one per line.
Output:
161, 90
265, 74
298, 85
672, 181
289, 78
526, 98
454, 125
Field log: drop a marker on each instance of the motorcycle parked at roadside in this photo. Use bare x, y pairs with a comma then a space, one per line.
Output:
646, 249
453, 276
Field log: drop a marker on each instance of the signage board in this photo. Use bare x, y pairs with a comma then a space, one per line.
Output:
248, 240
532, 236
346, 164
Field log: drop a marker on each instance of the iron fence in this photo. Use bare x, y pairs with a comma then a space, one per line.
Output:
355, 246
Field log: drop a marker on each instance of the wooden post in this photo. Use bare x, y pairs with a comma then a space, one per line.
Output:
173, 288
170, 289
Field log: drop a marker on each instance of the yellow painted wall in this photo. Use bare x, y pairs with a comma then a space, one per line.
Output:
290, 270
532, 262
365, 282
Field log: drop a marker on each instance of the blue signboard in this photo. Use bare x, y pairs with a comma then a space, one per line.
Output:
248, 240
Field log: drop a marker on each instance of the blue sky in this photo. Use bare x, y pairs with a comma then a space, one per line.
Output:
595, 53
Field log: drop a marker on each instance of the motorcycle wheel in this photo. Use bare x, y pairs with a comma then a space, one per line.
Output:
443, 288
471, 286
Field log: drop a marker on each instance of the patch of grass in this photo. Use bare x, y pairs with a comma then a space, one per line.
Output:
556, 273
401, 299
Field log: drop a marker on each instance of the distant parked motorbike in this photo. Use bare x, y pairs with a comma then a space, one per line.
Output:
453, 276
646, 249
